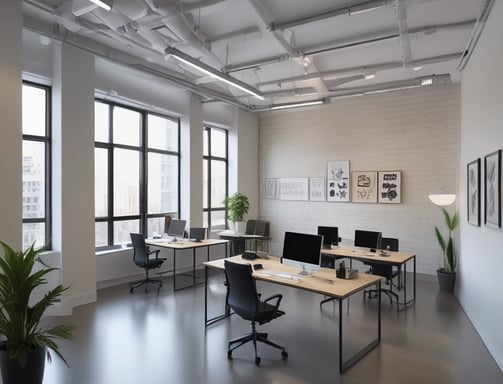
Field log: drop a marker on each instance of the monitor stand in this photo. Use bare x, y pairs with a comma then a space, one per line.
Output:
304, 271
174, 240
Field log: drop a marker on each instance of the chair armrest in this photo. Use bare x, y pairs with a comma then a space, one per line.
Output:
156, 251
277, 298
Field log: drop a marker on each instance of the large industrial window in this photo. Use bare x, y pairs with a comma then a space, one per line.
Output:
215, 176
36, 165
137, 165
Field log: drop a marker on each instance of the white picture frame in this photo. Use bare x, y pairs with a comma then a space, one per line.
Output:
338, 181
390, 187
271, 187
317, 189
364, 186
294, 188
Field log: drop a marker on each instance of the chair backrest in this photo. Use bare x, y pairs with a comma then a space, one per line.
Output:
262, 228
250, 227
140, 253
390, 242
167, 223
242, 291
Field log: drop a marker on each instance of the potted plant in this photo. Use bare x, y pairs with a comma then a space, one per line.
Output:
237, 207
24, 342
447, 274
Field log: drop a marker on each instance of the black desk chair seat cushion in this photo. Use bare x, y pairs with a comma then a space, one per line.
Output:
386, 270
141, 257
244, 300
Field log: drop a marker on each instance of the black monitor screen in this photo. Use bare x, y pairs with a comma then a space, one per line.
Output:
176, 228
330, 236
367, 239
302, 250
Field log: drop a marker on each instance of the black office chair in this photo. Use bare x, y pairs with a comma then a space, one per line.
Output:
141, 259
385, 270
243, 299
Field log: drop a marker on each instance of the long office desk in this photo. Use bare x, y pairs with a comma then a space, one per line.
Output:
185, 244
394, 258
323, 282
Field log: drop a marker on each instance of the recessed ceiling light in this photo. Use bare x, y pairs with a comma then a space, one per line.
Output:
370, 76
417, 68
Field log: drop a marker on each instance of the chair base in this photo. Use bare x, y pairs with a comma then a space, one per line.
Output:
255, 337
144, 282
388, 292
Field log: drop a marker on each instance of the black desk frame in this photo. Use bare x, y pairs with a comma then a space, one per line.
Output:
343, 365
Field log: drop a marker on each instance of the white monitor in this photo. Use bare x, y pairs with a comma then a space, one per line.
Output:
303, 251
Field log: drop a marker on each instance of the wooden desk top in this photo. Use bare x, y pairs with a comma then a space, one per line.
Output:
183, 244
324, 281
355, 253
229, 233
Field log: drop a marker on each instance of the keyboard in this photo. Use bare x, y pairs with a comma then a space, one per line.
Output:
283, 275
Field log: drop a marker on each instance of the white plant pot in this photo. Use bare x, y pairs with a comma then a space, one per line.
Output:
240, 227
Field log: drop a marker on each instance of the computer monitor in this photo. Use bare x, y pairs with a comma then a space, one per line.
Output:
330, 236
302, 250
197, 233
176, 228
368, 239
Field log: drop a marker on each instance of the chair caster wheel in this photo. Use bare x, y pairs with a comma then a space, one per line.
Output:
284, 354
130, 290
229, 355
257, 360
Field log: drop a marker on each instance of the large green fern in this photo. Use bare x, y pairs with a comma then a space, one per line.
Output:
450, 260
20, 328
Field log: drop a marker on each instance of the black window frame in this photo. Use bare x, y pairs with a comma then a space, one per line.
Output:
47, 140
144, 151
209, 158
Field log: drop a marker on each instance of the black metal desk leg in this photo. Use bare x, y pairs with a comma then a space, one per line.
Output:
174, 269
194, 267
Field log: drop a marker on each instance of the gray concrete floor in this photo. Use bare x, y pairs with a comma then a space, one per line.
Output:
160, 338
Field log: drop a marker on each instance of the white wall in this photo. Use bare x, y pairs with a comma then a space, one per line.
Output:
10, 125
481, 258
415, 131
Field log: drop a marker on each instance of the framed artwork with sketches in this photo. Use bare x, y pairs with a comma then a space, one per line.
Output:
364, 187
390, 187
271, 186
294, 188
338, 181
473, 192
317, 188
492, 183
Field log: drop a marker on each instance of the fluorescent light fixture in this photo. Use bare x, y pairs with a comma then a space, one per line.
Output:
417, 68
426, 81
209, 71
442, 199
370, 76
105, 4
295, 105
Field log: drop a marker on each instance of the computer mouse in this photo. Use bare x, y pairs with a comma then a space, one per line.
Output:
258, 266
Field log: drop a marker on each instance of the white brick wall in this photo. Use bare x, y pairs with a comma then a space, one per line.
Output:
415, 131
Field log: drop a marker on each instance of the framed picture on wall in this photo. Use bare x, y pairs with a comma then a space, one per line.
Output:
492, 183
271, 186
294, 188
390, 186
364, 187
473, 192
317, 188
338, 182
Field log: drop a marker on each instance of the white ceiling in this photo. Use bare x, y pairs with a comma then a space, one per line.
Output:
290, 50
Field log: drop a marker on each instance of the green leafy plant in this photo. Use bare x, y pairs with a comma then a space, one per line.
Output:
237, 206
20, 328
450, 259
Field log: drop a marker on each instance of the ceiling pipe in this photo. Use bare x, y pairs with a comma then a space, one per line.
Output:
403, 32
476, 32
349, 10
361, 70
350, 43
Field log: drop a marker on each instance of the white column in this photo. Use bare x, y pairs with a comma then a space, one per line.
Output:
73, 175
11, 124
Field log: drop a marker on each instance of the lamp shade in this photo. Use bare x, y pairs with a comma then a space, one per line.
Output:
442, 199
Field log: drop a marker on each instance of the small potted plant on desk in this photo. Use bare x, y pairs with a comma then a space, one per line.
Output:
24, 342
447, 274
237, 207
